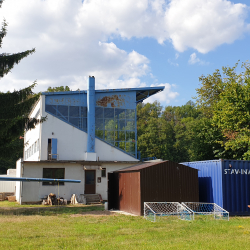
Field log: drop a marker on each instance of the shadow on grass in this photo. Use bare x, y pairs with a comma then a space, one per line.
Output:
49, 210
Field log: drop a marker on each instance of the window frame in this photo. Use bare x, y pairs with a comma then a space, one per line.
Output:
103, 172
53, 176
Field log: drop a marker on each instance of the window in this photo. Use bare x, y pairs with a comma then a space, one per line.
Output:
103, 172
117, 127
74, 115
52, 149
51, 109
38, 145
53, 173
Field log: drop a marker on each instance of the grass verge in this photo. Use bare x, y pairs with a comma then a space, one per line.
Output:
70, 230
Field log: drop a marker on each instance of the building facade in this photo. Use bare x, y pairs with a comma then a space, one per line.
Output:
86, 135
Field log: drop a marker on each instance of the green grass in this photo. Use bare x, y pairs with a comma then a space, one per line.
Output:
12, 208
66, 231
15, 204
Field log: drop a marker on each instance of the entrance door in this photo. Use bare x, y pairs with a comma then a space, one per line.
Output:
89, 181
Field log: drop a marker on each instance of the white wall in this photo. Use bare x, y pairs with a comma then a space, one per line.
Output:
31, 137
72, 143
34, 191
8, 186
18, 183
106, 152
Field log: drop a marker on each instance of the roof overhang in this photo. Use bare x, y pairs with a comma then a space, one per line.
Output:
141, 93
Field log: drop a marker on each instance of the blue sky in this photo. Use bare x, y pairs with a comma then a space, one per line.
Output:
125, 43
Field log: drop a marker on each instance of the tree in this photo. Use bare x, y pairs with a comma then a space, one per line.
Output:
148, 129
232, 112
226, 101
58, 89
14, 109
209, 92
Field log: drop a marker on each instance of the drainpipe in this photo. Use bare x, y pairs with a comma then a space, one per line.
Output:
91, 115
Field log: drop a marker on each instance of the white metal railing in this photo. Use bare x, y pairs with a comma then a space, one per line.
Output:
51, 157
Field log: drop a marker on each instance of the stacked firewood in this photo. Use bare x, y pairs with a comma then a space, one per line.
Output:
52, 200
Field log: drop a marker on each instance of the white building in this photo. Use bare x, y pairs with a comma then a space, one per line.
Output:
86, 135
8, 186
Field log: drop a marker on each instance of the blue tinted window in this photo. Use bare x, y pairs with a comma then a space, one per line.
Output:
51, 109
113, 125
62, 112
74, 111
74, 115
84, 112
117, 127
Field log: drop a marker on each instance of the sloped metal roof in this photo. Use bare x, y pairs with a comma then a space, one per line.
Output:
141, 93
140, 166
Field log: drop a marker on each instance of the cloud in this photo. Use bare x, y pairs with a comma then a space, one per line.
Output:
165, 96
74, 39
173, 63
193, 59
71, 42
203, 25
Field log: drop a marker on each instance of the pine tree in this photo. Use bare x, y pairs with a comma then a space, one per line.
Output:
14, 109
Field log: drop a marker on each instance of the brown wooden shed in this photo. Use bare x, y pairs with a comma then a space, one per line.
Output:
161, 181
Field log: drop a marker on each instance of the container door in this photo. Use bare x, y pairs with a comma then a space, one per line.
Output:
89, 182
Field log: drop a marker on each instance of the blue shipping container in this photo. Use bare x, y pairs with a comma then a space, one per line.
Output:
224, 182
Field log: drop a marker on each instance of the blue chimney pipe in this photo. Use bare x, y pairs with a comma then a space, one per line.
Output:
91, 115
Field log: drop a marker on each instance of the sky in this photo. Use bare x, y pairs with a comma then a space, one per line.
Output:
125, 43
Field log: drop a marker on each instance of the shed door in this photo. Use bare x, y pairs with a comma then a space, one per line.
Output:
130, 192
89, 182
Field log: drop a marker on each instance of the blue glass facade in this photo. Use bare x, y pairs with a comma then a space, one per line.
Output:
74, 115
114, 114
117, 127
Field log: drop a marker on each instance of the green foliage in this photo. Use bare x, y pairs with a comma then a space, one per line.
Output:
3, 31
149, 130
217, 127
171, 134
58, 89
231, 112
14, 109
225, 99
7, 61
209, 92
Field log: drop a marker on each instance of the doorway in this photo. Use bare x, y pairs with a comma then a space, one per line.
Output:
89, 182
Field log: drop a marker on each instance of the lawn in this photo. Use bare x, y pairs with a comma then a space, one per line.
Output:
88, 227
